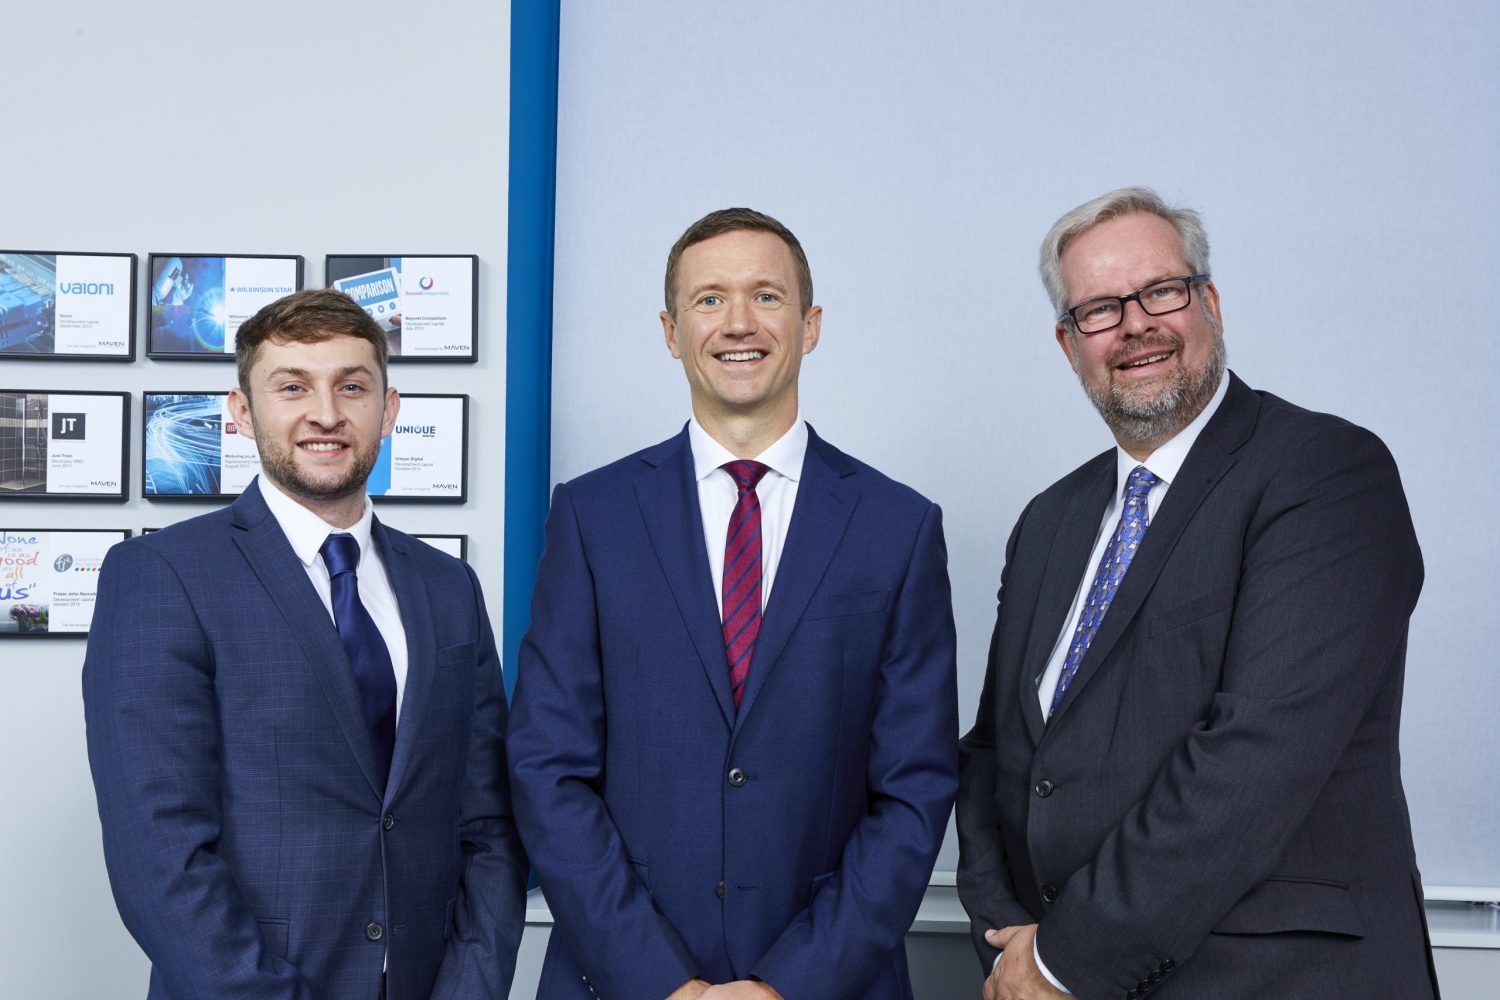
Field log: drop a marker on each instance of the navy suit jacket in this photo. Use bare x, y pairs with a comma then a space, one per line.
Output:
676, 837
1215, 810
249, 847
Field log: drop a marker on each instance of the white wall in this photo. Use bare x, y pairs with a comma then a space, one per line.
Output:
1344, 155
255, 127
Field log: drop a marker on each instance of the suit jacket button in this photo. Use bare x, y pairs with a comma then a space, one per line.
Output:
389, 821
1133, 995
1144, 986
1167, 966
1043, 788
1156, 977
1050, 893
719, 890
736, 777
374, 931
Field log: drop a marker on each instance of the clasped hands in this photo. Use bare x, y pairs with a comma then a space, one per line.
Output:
1016, 976
742, 989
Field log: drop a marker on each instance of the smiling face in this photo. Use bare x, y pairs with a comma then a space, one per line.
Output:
740, 330
1151, 375
317, 412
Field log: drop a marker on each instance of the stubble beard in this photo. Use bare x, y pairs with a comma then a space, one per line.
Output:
1168, 409
279, 464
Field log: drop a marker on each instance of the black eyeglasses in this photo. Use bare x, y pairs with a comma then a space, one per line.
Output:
1156, 299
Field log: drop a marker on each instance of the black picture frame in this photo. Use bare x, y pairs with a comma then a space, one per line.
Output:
26, 456
188, 302
462, 540
344, 268
21, 624
31, 308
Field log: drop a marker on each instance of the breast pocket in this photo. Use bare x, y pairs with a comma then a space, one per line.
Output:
453, 656
864, 602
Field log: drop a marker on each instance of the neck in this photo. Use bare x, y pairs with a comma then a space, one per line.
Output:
341, 512
745, 435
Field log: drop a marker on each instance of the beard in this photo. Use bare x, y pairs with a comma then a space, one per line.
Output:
1155, 412
279, 464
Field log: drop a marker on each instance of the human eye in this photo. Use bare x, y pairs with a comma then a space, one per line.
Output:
1162, 291
770, 299
708, 302
1099, 309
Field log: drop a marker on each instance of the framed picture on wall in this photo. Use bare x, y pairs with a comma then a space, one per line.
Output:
67, 306
428, 306
198, 301
48, 579
63, 445
191, 449
456, 546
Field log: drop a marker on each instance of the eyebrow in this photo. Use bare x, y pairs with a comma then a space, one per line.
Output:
287, 370
714, 286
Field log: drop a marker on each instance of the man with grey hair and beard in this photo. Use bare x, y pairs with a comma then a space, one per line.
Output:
1184, 778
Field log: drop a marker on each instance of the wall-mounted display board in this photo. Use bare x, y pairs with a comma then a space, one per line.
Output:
456, 546
192, 449
198, 301
428, 306
63, 445
71, 306
48, 579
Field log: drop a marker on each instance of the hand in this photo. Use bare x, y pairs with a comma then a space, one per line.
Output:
742, 989
1016, 976
690, 990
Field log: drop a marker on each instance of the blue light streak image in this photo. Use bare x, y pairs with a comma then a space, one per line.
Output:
183, 449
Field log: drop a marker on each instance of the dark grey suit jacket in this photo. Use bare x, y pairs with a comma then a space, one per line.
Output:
1215, 811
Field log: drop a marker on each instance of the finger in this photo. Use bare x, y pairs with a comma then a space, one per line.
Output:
1000, 937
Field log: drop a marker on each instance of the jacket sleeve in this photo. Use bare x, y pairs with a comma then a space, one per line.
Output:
984, 882
153, 744
556, 747
490, 911
837, 945
1329, 576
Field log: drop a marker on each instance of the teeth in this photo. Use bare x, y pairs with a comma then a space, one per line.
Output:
742, 356
323, 446
1146, 361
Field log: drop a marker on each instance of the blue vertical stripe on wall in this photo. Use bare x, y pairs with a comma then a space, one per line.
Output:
528, 313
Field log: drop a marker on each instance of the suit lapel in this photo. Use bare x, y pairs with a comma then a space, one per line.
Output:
825, 501
1077, 530
421, 646
1212, 455
668, 497
264, 546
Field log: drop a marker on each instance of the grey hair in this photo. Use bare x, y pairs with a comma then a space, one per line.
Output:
1124, 201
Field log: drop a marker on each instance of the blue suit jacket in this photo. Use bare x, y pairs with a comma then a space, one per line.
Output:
674, 837
248, 847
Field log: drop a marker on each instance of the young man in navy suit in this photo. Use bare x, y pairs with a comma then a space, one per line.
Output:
296, 714
1184, 779
732, 740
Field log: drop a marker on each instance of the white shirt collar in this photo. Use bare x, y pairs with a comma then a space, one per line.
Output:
307, 531
784, 456
1166, 461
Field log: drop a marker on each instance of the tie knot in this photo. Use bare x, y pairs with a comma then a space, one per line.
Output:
1139, 483
746, 472
340, 554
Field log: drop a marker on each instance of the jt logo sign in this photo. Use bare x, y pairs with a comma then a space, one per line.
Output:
67, 426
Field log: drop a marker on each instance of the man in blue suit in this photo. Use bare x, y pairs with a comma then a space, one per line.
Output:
296, 714
732, 743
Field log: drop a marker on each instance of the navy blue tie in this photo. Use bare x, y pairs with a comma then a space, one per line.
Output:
1129, 533
367, 651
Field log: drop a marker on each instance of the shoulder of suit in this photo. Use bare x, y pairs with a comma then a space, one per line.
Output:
1282, 425
870, 480
191, 535
622, 472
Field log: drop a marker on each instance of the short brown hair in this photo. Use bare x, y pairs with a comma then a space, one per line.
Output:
308, 317
727, 220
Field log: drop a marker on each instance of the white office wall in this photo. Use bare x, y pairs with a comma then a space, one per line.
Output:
1344, 156
255, 127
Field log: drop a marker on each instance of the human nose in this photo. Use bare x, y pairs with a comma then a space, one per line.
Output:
739, 317
1134, 319
325, 409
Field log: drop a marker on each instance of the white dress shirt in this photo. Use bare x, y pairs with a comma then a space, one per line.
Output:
1164, 463
307, 532
717, 494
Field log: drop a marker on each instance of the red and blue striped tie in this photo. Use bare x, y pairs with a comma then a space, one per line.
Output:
741, 607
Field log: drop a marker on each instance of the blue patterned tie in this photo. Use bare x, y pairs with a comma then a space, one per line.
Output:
1112, 566
367, 651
